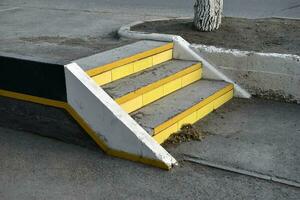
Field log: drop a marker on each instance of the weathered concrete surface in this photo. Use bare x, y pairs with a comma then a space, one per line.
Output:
121, 87
274, 76
33, 167
65, 30
254, 135
113, 55
168, 107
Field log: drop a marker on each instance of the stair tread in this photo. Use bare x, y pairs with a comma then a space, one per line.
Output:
113, 55
168, 107
126, 85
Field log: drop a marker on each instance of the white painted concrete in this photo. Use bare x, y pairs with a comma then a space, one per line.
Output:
260, 73
182, 50
125, 32
112, 125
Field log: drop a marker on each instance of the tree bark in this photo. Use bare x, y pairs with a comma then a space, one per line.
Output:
208, 14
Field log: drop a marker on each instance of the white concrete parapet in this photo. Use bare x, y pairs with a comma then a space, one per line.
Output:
117, 133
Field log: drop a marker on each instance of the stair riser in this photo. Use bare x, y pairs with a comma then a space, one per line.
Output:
196, 113
157, 90
118, 72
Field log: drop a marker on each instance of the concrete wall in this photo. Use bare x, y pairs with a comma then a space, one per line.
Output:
268, 75
43, 120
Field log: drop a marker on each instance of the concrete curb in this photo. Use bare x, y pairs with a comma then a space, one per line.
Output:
182, 50
268, 75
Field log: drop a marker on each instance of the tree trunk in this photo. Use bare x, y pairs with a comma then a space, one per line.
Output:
208, 14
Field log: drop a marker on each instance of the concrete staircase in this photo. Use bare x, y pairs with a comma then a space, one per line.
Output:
160, 93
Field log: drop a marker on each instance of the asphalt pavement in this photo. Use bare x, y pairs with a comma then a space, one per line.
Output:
34, 167
63, 30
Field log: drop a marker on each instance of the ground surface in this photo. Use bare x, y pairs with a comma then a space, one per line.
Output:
34, 167
255, 135
263, 35
64, 30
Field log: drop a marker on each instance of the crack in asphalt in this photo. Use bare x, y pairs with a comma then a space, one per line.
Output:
291, 7
254, 174
9, 9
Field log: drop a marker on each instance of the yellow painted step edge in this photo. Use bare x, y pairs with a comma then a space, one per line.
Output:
131, 68
85, 126
196, 115
189, 111
157, 84
124, 61
164, 89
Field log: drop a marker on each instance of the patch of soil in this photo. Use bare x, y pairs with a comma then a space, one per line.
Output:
270, 35
277, 95
107, 42
187, 133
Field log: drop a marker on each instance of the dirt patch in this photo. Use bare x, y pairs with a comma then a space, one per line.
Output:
111, 40
187, 133
277, 95
270, 35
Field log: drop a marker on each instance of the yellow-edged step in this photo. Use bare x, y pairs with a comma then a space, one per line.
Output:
130, 65
136, 91
200, 113
159, 92
186, 106
159, 89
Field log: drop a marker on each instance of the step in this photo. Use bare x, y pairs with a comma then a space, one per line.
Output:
186, 106
117, 63
140, 89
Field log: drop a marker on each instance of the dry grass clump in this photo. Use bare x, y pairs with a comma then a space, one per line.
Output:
186, 133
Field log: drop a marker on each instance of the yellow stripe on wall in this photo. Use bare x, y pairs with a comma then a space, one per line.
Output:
85, 126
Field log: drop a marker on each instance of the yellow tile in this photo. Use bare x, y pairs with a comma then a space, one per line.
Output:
162, 57
172, 86
190, 119
103, 78
165, 134
223, 99
190, 78
133, 58
202, 112
142, 64
122, 71
153, 95
133, 104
